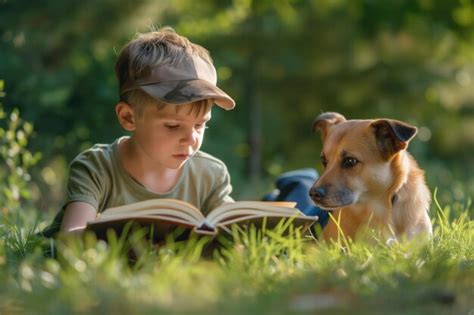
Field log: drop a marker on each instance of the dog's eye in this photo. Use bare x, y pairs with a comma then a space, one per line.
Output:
324, 161
349, 162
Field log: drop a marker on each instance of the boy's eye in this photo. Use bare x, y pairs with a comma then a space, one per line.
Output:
201, 126
171, 126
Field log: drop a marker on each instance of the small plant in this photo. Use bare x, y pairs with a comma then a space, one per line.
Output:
15, 159
15, 193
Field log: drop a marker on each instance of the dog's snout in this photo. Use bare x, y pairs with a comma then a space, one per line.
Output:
317, 193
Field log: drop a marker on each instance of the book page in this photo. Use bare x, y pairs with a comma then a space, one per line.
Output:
245, 208
157, 206
165, 214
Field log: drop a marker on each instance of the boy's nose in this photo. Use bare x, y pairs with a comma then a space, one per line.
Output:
190, 137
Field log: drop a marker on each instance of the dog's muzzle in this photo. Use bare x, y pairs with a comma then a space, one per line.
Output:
317, 193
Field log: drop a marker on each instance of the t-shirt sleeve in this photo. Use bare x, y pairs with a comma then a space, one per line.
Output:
87, 181
221, 191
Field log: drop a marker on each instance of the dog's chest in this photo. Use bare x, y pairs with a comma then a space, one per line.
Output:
375, 211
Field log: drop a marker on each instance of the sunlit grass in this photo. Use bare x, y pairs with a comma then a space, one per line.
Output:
277, 271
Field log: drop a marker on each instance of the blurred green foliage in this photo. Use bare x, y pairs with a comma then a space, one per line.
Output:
284, 62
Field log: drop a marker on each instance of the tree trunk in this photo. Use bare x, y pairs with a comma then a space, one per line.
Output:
254, 133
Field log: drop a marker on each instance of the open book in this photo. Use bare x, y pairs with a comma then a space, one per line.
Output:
164, 215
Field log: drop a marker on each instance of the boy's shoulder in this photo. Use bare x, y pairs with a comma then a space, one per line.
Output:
98, 152
205, 159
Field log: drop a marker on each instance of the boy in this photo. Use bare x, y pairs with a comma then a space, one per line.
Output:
167, 87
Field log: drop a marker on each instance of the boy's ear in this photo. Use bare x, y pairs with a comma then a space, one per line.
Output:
125, 116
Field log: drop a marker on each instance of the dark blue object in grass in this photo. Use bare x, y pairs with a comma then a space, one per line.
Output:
294, 186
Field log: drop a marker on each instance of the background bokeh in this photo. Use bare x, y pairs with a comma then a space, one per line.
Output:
283, 61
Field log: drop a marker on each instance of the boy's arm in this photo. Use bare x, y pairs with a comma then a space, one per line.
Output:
77, 215
86, 188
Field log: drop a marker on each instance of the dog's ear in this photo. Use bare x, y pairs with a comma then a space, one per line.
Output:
325, 120
392, 136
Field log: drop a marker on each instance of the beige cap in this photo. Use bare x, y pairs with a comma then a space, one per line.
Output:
191, 79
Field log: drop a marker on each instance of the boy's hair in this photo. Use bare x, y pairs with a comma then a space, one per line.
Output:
165, 49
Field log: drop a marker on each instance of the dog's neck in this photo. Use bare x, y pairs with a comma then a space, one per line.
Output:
383, 209
409, 191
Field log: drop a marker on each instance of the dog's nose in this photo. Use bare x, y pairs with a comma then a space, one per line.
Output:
317, 193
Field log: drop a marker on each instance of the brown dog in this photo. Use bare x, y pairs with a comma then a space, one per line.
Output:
369, 179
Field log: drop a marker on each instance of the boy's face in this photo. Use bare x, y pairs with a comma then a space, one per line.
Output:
171, 135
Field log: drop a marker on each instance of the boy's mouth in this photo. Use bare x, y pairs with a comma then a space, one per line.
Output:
181, 156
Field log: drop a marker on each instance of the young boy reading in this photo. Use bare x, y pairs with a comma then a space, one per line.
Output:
167, 87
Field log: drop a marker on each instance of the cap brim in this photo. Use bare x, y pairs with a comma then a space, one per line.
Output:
182, 92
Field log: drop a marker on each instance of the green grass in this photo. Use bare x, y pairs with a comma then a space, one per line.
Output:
256, 272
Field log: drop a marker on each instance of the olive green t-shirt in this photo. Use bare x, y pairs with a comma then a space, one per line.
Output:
97, 177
